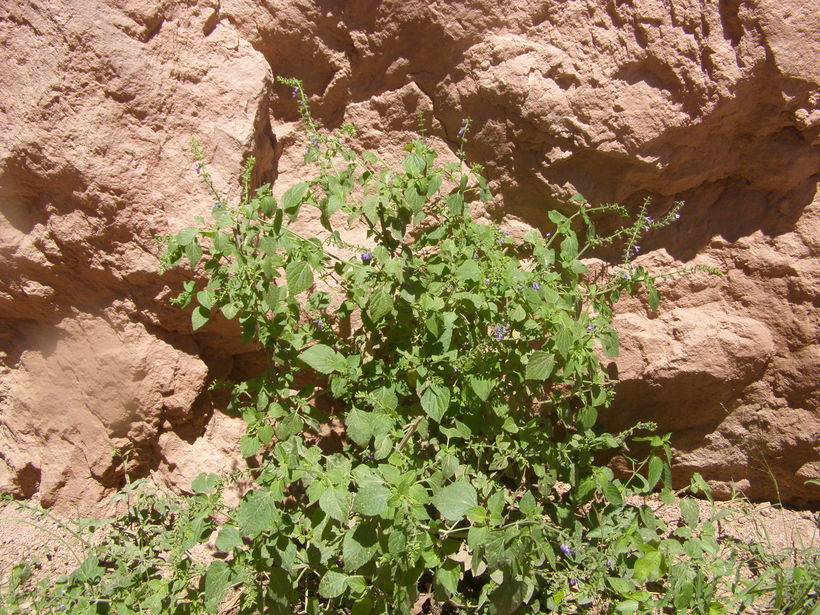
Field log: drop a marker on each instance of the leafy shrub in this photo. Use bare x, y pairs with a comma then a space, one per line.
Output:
460, 369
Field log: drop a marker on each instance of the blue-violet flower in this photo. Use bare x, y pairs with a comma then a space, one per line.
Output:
565, 549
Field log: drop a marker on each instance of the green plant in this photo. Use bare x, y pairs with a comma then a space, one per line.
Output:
462, 364
459, 367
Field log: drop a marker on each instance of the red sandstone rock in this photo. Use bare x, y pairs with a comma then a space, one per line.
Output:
714, 104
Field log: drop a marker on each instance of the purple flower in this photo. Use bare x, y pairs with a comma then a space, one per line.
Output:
536, 286
315, 141
503, 241
455, 369
475, 254
590, 327
565, 549
501, 331
547, 235
486, 282
198, 168
646, 228
677, 216
366, 257
648, 219
318, 324
216, 205
519, 287
295, 92
637, 249
609, 563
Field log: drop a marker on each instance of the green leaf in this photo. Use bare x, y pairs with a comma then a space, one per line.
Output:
628, 606
655, 470
204, 483
229, 311
563, 341
186, 236
333, 584
386, 399
587, 417
371, 499
357, 584
455, 500
448, 575
690, 512
517, 313
248, 446
359, 546
482, 387
228, 538
289, 426
256, 513
569, 248
299, 277
468, 270
358, 427
540, 365
455, 203
272, 297
435, 400
649, 566
556, 217
370, 208
222, 241
380, 305
363, 606
477, 536
217, 582
527, 504
654, 299
334, 204
292, 199
200, 316
205, 298
335, 502
268, 205
193, 252
265, 434
611, 493
609, 342
323, 359
414, 164
623, 586
89, 570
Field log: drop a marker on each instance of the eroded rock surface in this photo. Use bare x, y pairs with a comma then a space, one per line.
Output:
715, 104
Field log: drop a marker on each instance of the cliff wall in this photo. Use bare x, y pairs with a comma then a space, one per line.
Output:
713, 103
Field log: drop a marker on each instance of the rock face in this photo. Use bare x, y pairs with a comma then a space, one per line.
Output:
715, 104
